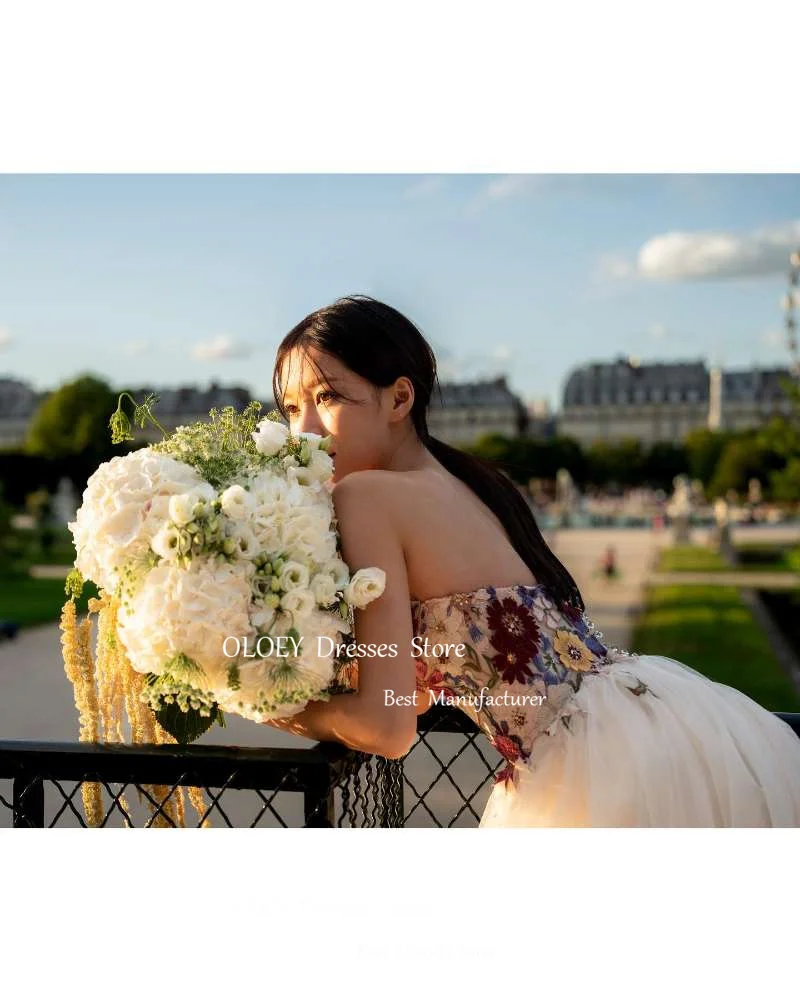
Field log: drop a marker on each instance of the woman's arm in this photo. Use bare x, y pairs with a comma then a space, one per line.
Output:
381, 718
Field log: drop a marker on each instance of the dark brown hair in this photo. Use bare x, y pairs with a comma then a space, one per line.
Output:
379, 344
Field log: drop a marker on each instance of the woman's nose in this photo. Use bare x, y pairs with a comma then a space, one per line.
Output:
309, 422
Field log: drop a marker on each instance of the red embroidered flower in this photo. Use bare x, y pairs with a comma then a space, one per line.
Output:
508, 748
514, 637
508, 775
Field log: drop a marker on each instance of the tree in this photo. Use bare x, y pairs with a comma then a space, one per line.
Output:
743, 458
73, 422
703, 451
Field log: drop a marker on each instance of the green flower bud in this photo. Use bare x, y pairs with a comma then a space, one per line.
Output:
275, 585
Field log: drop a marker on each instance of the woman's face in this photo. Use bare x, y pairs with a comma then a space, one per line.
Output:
358, 424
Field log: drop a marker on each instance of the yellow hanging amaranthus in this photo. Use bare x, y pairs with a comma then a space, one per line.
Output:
102, 690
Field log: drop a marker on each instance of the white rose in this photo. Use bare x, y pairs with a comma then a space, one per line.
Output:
270, 436
237, 502
366, 584
339, 570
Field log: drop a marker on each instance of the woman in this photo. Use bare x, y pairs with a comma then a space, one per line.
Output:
592, 736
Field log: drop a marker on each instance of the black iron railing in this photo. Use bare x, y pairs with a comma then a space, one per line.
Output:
443, 781
147, 785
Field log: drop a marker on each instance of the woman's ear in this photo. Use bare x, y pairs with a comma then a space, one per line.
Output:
403, 397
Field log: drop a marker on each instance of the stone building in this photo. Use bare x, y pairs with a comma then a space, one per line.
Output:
460, 415
465, 412
664, 402
18, 402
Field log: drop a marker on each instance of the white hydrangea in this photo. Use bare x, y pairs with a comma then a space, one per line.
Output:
125, 503
190, 610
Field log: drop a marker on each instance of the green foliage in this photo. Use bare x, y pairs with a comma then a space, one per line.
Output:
73, 421
31, 601
187, 725
691, 559
224, 448
711, 629
785, 484
743, 458
703, 449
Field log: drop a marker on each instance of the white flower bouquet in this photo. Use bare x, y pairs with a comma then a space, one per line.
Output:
216, 556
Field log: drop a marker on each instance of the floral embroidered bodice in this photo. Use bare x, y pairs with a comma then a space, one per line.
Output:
522, 660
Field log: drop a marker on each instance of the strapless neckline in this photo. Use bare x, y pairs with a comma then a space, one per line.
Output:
518, 587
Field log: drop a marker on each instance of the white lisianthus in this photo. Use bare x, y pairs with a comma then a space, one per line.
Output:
323, 588
166, 543
299, 602
366, 585
315, 441
270, 436
339, 571
294, 575
237, 502
182, 507
246, 544
319, 468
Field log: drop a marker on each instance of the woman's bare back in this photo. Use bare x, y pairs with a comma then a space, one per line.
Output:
452, 541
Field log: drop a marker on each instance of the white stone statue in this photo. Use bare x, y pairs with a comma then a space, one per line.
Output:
679, 508
65, 502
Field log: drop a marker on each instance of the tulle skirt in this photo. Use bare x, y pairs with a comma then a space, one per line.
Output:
651, 742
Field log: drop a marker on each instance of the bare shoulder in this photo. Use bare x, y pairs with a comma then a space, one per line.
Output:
363, 488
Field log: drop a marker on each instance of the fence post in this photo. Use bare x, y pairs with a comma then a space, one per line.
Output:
318, 804
28, 802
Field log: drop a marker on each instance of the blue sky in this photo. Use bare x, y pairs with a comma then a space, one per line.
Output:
184, 279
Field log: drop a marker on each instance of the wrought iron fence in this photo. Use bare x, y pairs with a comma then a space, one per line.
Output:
443, 781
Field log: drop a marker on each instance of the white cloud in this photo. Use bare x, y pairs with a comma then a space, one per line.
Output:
677, 256
221, 348
658, 331
137, 347
511, 185
425, 187
6, 339
504, 188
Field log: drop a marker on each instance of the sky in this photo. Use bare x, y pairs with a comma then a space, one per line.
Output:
167, 279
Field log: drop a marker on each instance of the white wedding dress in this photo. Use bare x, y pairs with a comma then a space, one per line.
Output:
596, 737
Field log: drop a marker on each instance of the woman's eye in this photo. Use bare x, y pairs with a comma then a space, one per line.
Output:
324, 394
